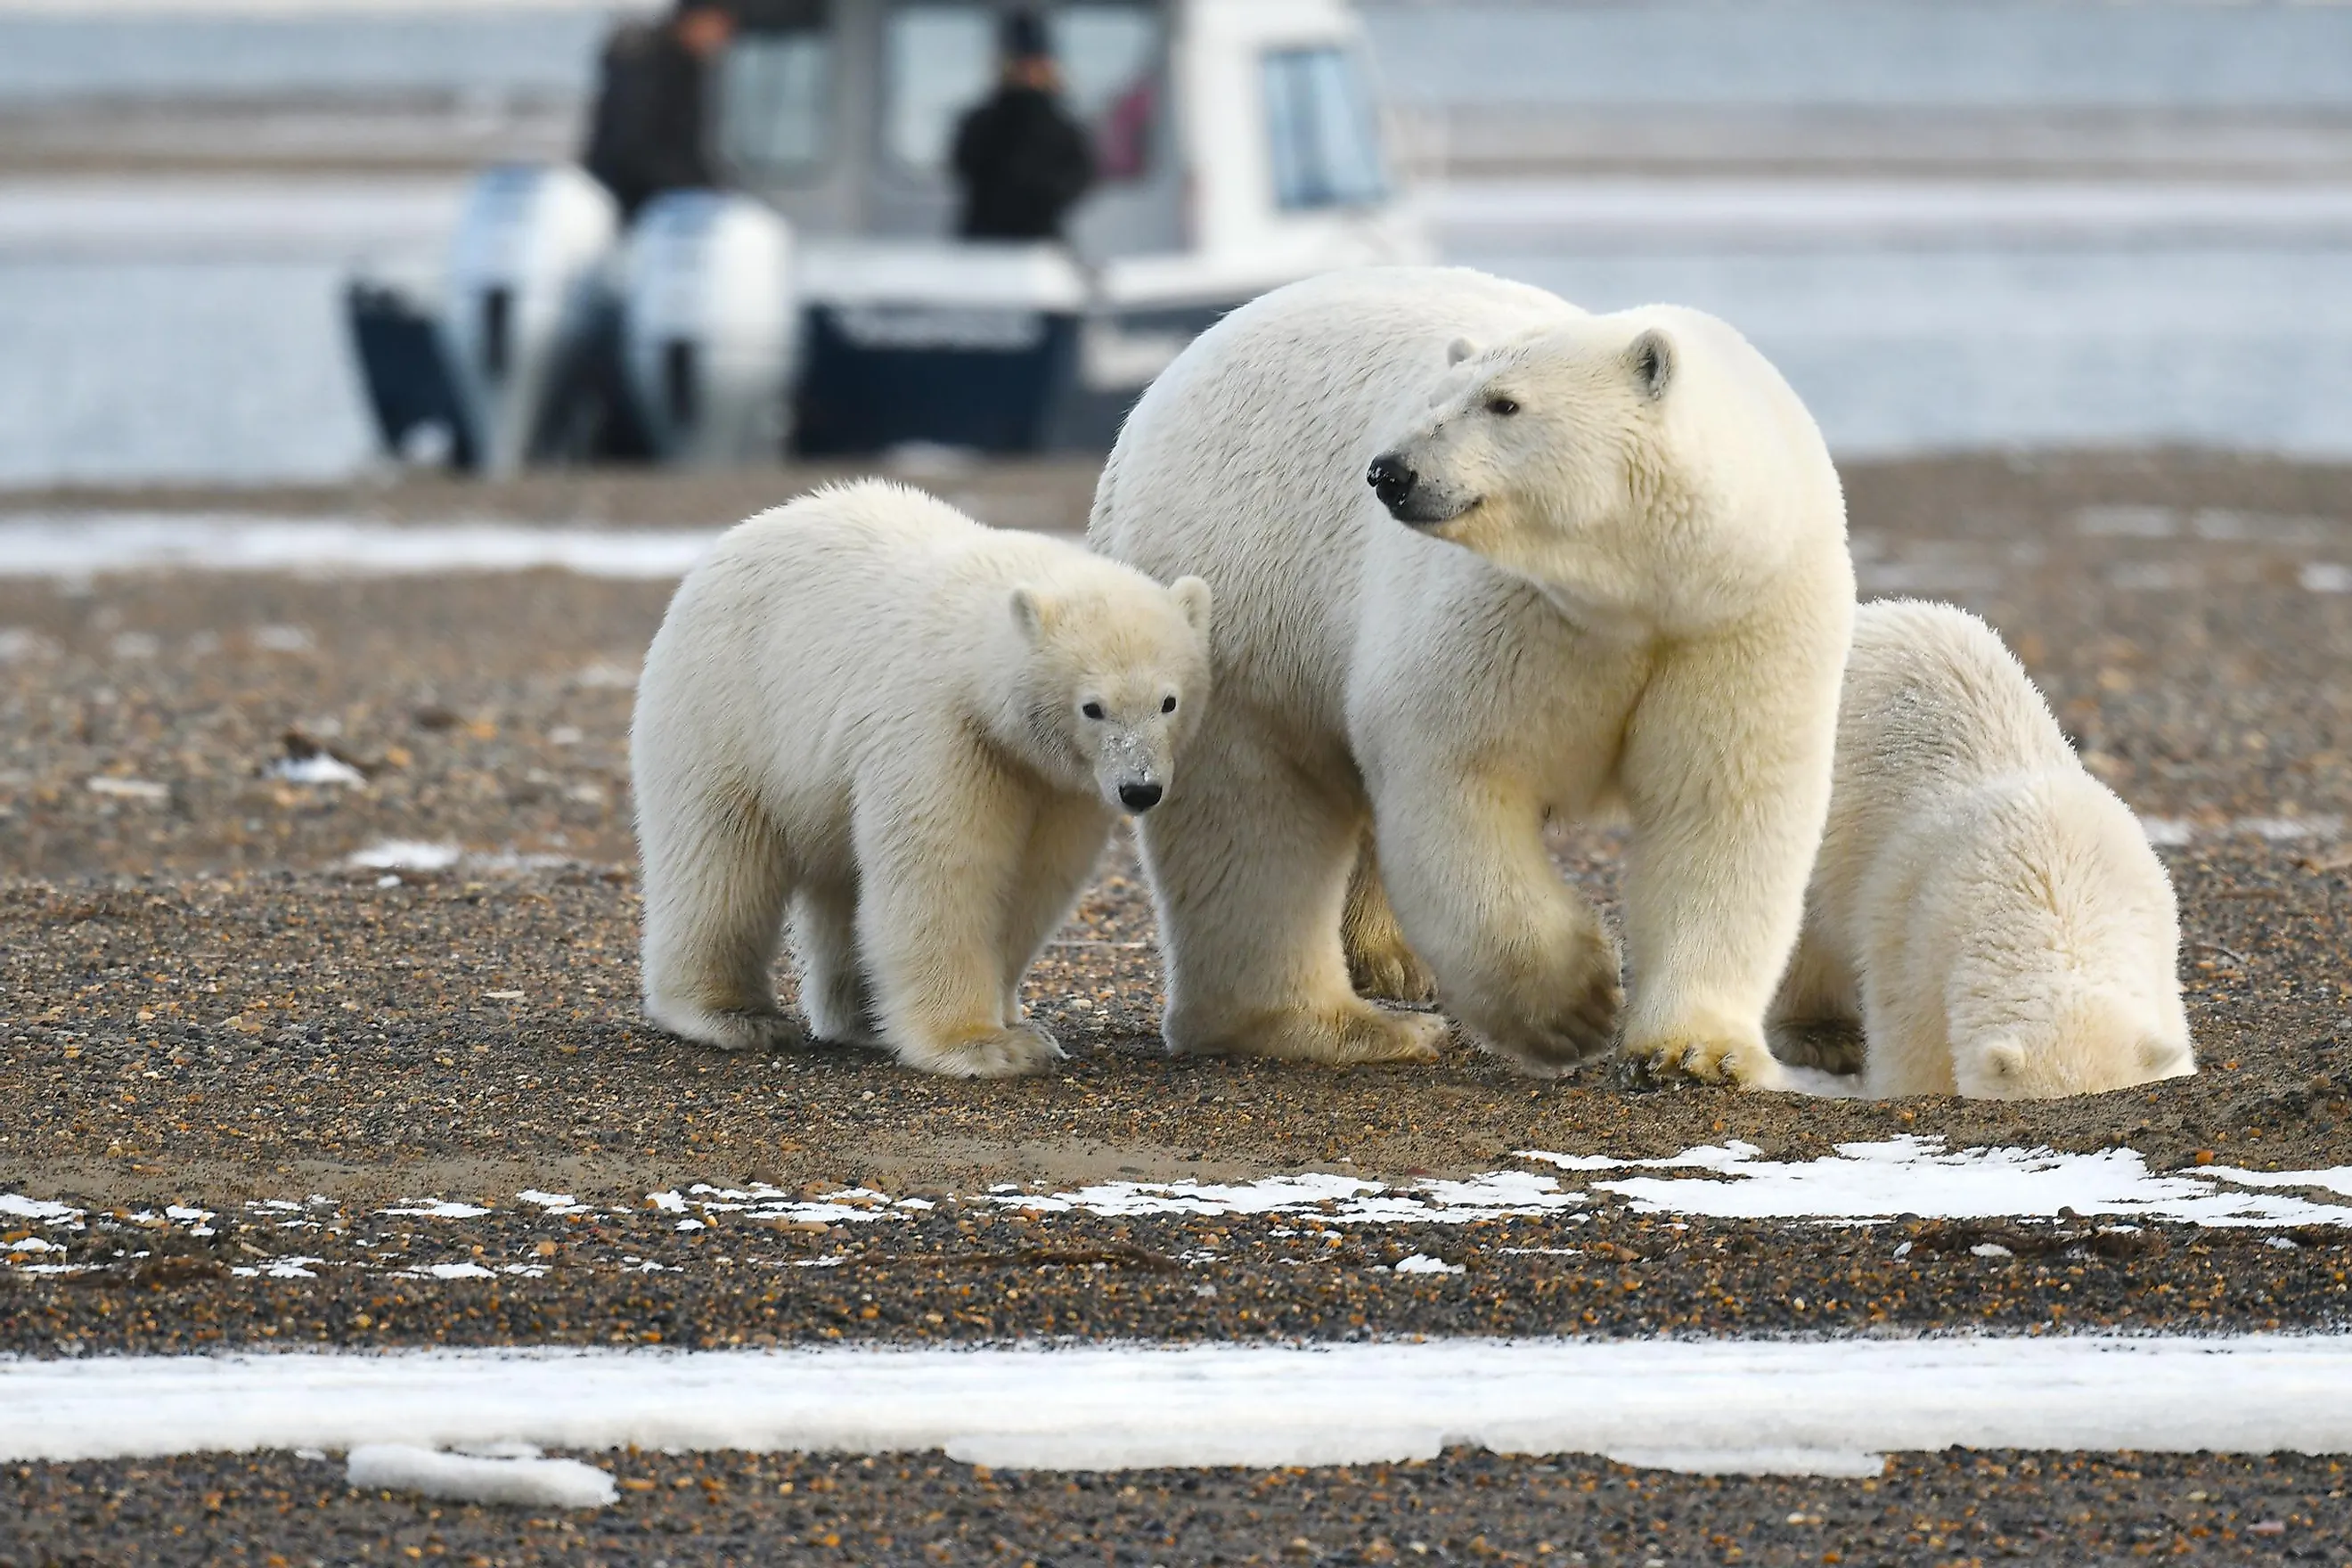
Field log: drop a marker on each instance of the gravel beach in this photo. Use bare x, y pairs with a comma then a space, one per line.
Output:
316, 947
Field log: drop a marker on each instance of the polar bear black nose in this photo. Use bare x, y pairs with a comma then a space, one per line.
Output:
1392, 478
1138, 797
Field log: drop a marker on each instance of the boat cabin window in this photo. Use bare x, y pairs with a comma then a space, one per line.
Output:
774, 90
1323, 128
940, 61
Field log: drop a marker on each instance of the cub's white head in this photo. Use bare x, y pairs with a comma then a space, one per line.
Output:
1113, 684
2089, 1044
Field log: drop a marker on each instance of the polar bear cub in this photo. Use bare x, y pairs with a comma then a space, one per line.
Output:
1990, 914
910, 732
1600, 563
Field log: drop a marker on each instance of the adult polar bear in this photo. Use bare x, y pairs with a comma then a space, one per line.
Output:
1620, 578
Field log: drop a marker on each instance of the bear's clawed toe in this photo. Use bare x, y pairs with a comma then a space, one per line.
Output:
1001, 1053
1740, 1064
1392, 975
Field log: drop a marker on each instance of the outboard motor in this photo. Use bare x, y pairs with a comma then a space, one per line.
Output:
527, 295
709, 327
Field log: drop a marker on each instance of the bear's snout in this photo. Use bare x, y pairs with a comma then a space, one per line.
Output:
1139, 796
1392, 480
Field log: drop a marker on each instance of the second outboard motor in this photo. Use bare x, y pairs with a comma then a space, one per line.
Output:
527, 294
708, 327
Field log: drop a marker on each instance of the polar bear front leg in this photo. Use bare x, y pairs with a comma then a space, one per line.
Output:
1066, 840
1249, 862
1726, 771
1519, 957
938, 847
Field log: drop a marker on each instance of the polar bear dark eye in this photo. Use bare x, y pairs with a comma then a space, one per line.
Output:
1092, 709
1168, 705
1502, 407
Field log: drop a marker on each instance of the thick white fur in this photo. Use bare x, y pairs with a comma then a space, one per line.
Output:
867, 708
1648, 606
1990, 914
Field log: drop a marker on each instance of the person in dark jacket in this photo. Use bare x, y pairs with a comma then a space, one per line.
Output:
1022, 160
650, 133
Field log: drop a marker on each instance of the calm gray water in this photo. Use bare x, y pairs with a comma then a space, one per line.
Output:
2275, 54
238, 371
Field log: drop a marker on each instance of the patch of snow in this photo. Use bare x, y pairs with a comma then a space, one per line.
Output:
2334, 1179
468, 1478
450, 1271
318, 768
1850, 1464
407, 855
284, 640
79, 545
147, 792
553, 1202
1725, 1404
1342, 1198
1918, 1175
1421, 1263
437, 1208
23, 1207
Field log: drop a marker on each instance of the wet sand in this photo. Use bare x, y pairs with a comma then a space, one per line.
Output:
209, 1003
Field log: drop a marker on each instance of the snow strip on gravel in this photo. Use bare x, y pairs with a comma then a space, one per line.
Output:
473, 1478
1725, 1405
1919, 1176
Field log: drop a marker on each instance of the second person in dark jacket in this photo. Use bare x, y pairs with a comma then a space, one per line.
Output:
1021, 161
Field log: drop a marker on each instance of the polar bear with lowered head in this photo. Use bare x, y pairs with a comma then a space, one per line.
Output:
1602, 565
1990, 914
911, 733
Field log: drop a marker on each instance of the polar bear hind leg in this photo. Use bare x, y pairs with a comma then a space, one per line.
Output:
1380, 964
1250, 866
835, 995
718, 875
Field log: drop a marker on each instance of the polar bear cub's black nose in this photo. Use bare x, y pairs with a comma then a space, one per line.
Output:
1392, 478
1138, 797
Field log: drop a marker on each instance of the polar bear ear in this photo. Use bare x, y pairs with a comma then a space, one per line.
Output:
1033, 613
2004, 1061
1192, 598
1459, 349
1651, 362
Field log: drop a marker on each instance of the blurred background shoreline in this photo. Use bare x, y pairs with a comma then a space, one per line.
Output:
1957, 228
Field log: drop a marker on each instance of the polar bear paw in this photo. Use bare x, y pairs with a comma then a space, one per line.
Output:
1581, 1024
999, 1053
1392, 972
1356, 1036
736, 1029
1740, 1064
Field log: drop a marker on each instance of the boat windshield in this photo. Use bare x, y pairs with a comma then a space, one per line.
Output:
776, 106
1323, 129
939, 60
